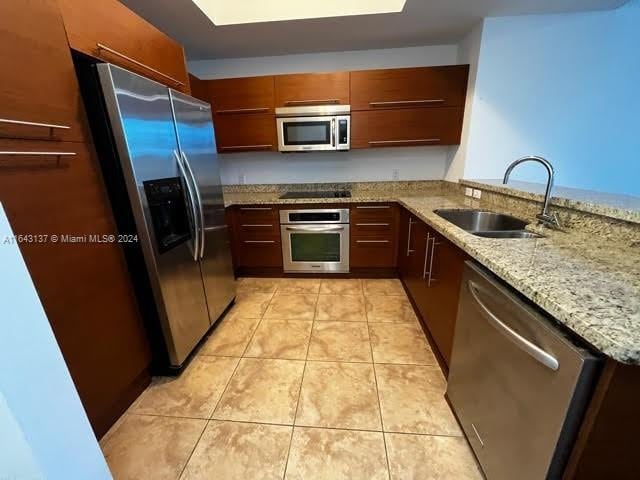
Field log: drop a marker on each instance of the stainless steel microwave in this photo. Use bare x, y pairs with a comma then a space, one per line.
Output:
314, 128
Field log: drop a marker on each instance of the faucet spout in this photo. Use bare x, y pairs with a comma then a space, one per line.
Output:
544, 216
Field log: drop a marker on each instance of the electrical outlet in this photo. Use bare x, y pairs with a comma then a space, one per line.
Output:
395, 175
242, 179
477, 194
468, 192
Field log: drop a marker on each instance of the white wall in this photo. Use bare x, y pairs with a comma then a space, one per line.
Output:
325, 62
44, 431
412, 163
566, 87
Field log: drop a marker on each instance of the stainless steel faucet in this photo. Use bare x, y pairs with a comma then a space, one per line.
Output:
550, 220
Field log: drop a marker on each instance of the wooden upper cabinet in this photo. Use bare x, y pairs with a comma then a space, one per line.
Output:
199, 88
245, 133
406, 127
312, 89
109, 31
409, 87
242, 95
37, 79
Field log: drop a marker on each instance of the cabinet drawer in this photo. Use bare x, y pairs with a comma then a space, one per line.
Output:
245, 133
38, 80
108, 30
260, 253
373, 252
378, 228
258, 215
258, 231
409, 87
406, 127
312, 89
374, 213
242, 95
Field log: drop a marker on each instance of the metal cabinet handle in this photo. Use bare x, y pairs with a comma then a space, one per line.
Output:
199, 199
256, 208
426, 256
256, 225
393, 142
433, 251
34, 124
518, 340
102, 46
406, 102
242, 110
372, 241
194, 211
245, 147
37, 154
372, 207
409, 251
312, 102
372, 224
259, 241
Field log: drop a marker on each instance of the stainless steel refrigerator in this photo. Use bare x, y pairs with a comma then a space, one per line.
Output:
165, 146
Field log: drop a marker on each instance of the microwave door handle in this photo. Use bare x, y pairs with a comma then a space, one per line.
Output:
333, 132
199, 202
192, 205
518, 340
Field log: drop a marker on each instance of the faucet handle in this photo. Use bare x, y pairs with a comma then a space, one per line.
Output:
550, 220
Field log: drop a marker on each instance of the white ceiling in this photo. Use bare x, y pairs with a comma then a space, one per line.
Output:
423, 22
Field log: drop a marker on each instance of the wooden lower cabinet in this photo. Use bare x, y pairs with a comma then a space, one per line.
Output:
374, 236
431, 269
255, 233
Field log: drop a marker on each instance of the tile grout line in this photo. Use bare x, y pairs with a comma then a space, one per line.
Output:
375, 378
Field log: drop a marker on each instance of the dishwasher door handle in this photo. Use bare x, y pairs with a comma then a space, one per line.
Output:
533, 350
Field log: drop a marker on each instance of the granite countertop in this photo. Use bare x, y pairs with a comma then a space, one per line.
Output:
590, 286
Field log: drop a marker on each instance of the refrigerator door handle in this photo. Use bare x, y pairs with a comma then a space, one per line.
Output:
199, 203
192, 204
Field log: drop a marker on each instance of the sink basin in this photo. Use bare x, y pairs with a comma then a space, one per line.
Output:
508, 234
481, 221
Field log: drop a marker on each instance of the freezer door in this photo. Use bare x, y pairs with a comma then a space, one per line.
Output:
142, 123
196, 140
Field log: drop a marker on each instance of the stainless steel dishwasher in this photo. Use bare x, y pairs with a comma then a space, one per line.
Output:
519, 386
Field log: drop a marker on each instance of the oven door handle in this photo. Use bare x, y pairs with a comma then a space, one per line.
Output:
314, 229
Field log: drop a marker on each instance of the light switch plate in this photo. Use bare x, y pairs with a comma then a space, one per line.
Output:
395, 174
242, 179
477, 194
468, 192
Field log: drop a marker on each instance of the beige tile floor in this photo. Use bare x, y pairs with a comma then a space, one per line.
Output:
303, 379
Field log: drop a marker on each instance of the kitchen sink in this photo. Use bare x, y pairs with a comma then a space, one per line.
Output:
508, 234
487, 224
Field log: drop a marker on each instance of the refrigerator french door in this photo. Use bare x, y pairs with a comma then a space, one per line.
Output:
164, 142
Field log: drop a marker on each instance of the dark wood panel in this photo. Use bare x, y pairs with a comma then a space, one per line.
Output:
258, 214
37, 79
245, 133
312, 89
373, 213
199, 88
409, 87
373, 252
260, 253
242, 95
406, 127
84, 286
112, 24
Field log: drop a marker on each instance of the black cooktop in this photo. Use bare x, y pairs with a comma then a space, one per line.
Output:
334, 194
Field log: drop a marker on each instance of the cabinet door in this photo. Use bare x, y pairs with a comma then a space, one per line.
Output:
38, 82
444, 276
245, 133
84, 285
406, 127
312, 89
415, 261
409, 87
242, 95
108, 30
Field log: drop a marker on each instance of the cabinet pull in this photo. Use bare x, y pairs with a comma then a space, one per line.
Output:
38, 154
426, 257
245, 147
256, 225
372, 207
259, 241
136, 62
409, 251
433, 250
372, 241
406, 102
312, 102
392, 142
242, 110
256, 208
372, 224
34, 124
